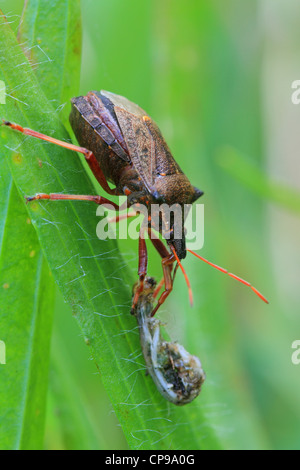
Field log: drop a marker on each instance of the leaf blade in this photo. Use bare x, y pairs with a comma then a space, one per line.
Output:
25, 326
50, 34
27, 420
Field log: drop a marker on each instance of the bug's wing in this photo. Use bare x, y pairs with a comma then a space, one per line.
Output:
124, 103
164, 163
148, 150
139, 141
140, 144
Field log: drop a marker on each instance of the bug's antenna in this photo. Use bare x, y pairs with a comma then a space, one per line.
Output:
185, 275
231, 275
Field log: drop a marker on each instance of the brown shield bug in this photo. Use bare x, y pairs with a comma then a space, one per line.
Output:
124, 146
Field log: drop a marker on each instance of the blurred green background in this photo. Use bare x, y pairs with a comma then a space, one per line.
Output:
216, 76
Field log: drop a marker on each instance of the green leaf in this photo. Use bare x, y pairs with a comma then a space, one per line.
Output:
50, 34
24, 383
51, 39
90, 272
77, 427
26, 299
250, 176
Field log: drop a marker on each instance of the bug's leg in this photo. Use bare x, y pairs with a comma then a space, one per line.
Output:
162, 281
118, 218
142, 271
158, 287
73, 197
162, 250
167, 265
89, 156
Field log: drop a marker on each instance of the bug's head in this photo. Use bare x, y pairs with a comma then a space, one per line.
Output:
173, 197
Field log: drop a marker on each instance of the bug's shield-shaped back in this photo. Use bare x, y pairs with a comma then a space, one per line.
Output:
148, 150
140, 144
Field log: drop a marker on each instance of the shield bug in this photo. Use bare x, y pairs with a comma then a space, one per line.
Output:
125, 147
177, 374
